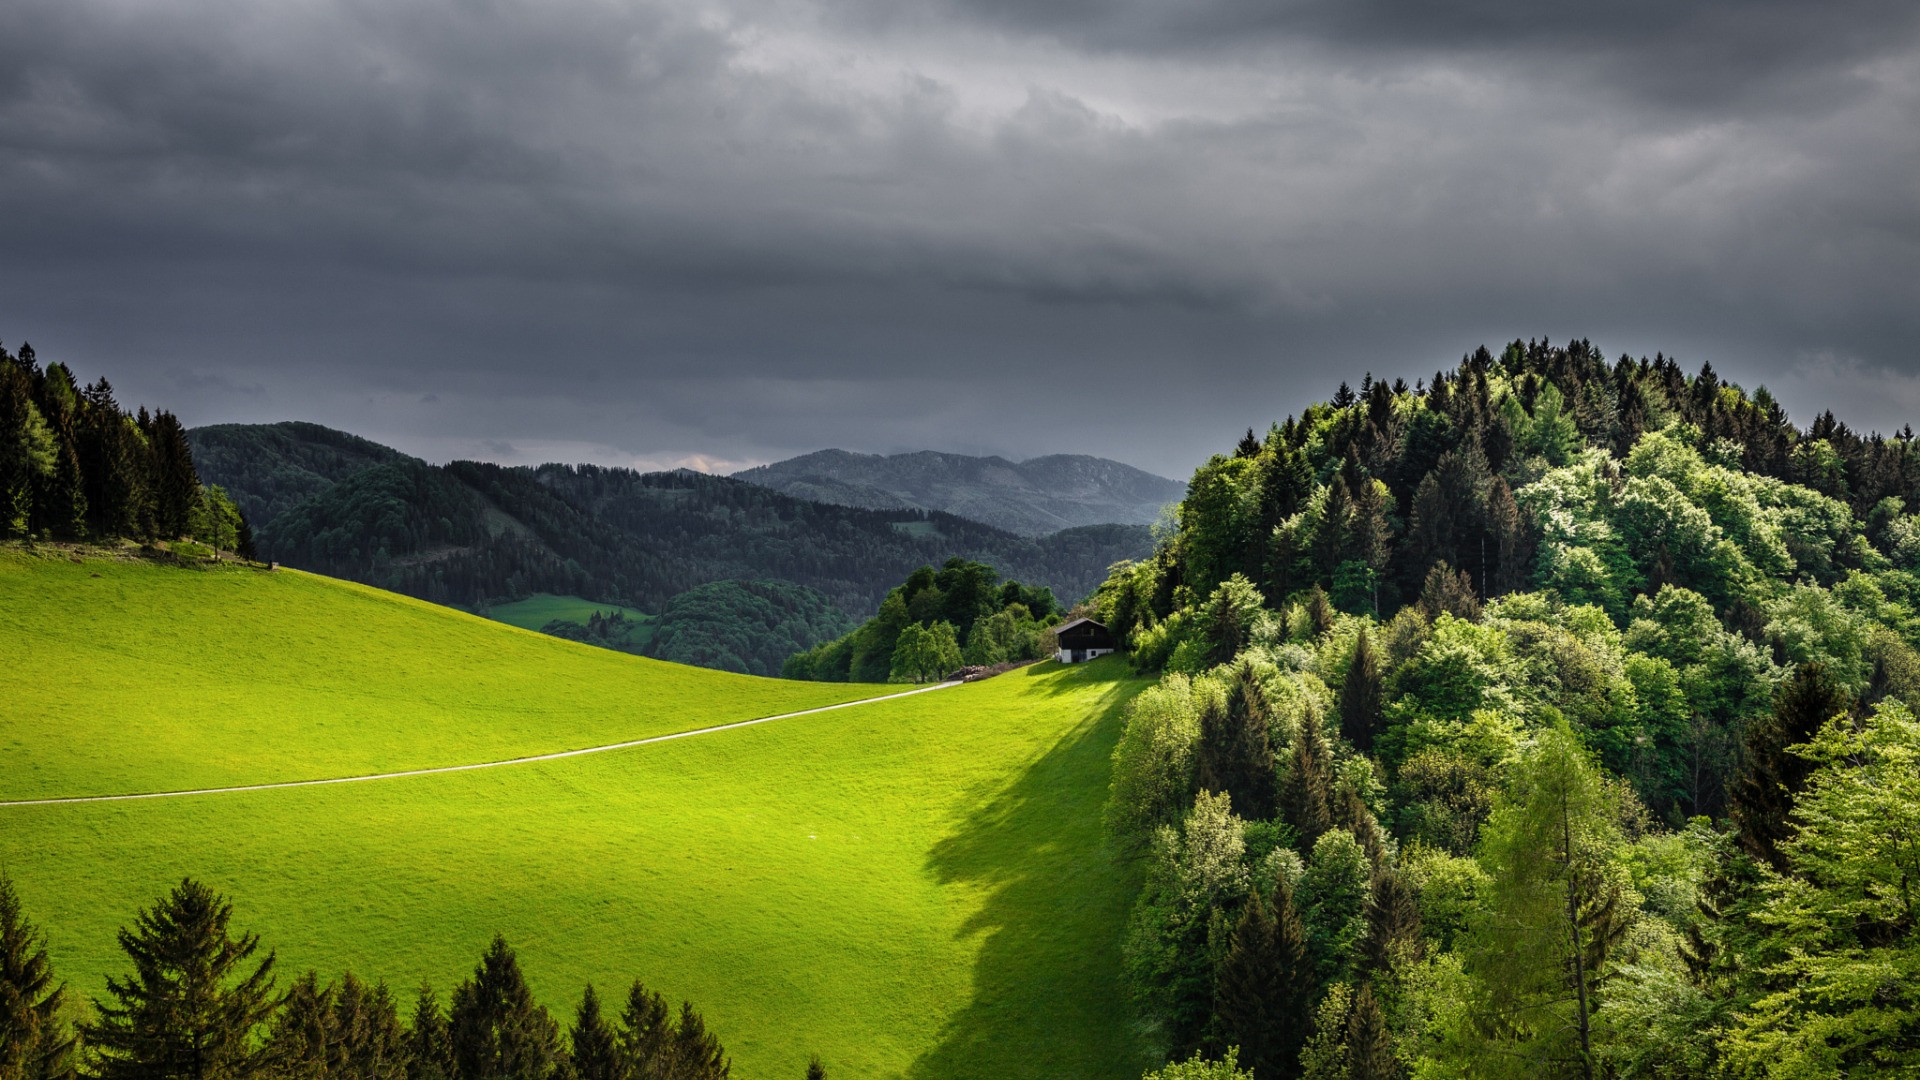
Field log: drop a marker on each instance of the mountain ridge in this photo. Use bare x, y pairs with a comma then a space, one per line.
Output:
1032, 497
470, 533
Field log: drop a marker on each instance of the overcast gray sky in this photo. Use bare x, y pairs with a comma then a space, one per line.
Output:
723, 233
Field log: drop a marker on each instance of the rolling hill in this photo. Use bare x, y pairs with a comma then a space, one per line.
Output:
1033, 497
473, 534
914, 887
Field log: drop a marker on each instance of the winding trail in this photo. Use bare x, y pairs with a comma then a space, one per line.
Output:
474, 765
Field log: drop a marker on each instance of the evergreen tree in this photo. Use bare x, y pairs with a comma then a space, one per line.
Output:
188, 1011
1360, 696
27, 450
1761, 801
60, 500
347, 1030
1369, 1045
1261, 992
595, 1047
1306, 796
646, 1033
696, 1052
815, 1070
1513, 544
1393, 923
175, 483
1235, 755
34, 1041
1448, 592
496, 1029
429, 1042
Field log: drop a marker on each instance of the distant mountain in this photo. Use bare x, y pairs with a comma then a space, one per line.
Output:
471, 534
1033, 497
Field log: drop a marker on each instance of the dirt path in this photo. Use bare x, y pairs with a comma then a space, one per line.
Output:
476, 765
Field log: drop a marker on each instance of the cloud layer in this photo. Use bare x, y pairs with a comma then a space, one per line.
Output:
661, 233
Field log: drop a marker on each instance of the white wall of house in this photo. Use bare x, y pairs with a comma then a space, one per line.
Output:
1065, 656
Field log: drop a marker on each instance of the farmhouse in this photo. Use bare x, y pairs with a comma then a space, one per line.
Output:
1082, 639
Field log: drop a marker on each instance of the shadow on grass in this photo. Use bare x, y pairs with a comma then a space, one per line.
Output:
1048, 1000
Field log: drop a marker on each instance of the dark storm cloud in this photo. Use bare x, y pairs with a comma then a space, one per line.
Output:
665, 234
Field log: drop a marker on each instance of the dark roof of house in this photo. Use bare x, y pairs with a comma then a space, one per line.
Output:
1089, 624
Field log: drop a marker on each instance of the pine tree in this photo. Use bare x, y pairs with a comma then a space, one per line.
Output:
34, 1041
175, 482
1449, 592
346, 1030
1513, 545
1360, 694
1261, 992
429, 1042
187, 1012
497, 1031
595, 1047
1235, 754
1369, 1044
60, 498
1393, 923
815, 1070
646, 1033
373, 1045
696, 1052
1306, 797
1762, 798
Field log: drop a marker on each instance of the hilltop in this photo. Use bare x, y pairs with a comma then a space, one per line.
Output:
1033, 497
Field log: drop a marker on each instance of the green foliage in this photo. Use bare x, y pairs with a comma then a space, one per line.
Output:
746, 626
1539, 951
1334, 893
925, 653
905, 642
190, 1008
1153, 763
35, 1043
1844, 921
1200, 1068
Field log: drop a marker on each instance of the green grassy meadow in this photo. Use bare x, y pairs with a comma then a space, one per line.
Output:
912, 888
540, 609
127, 676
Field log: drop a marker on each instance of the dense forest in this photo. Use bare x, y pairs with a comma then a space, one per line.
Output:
745, 626
933, 623
471, 534
200, 1003
74, 465
1547, 718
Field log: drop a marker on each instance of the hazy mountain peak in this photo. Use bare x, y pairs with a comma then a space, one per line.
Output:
1036, 496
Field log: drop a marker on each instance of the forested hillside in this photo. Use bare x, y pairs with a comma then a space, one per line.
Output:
470, 533
1033, 497
1547, 718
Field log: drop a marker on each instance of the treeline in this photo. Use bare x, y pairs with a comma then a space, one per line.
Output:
474, 534
74, 465
933, 623
1550, 718
199, 1003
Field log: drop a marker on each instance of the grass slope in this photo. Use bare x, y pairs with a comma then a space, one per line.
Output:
540, 609
133, 676
913, 888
